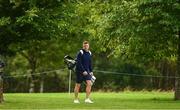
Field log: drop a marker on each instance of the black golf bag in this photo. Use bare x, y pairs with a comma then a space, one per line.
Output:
70, 62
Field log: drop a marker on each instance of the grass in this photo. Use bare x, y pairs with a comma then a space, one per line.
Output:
121, 100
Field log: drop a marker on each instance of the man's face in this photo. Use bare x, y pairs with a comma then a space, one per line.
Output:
86, 46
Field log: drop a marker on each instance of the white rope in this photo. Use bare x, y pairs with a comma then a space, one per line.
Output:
128, 74
96, 71
39, 73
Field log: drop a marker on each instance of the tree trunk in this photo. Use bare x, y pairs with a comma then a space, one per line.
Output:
1, 88
41, 84
177, 82
32, 85
32, 81
32, 63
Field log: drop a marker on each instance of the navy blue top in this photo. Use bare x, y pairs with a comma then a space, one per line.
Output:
84, 62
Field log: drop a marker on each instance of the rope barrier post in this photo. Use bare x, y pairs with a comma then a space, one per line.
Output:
69, 90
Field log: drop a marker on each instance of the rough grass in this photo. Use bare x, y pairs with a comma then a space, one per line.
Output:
121, 100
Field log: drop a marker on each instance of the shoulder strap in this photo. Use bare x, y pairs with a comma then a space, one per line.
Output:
90, 52
83, 52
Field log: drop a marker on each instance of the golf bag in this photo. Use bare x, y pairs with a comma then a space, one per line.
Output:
70, 62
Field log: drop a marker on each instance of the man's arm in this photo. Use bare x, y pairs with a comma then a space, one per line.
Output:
79, 62
90, 67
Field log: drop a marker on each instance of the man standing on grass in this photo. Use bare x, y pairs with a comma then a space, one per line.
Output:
83, 72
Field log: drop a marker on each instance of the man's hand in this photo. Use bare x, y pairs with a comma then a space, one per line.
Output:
85, 73
91, 73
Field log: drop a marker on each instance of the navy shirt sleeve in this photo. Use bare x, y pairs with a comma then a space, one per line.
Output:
79, 63
90, 66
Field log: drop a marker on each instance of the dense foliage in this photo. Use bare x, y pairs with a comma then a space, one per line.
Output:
128, 36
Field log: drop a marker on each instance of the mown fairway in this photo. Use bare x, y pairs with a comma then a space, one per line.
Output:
121, 100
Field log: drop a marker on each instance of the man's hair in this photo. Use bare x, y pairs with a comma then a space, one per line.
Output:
85, 42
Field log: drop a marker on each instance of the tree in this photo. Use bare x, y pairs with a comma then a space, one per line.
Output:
25, 22
141, 31
161, 20
147, 31
1, 85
